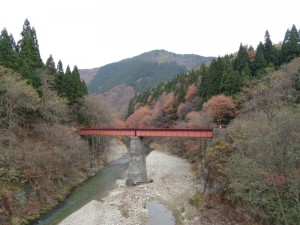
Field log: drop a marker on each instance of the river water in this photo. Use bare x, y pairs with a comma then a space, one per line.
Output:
159, 214
95, 188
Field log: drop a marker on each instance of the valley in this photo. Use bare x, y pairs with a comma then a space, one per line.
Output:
247, 174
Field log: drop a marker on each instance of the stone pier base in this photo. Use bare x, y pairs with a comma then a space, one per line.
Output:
137, 164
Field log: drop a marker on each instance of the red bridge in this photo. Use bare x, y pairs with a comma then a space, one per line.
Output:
137, 171
200, 133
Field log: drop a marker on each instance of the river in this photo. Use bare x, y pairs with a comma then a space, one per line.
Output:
95, 188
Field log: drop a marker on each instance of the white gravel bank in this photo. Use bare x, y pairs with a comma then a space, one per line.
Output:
172, 185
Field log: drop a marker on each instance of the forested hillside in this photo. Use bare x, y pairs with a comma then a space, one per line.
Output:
41, 155
253, 163
226, 75
144, 71
256, 164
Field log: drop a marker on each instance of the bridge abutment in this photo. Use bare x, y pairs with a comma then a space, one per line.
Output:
137, 164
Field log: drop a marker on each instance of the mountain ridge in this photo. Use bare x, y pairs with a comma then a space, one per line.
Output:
155, 61
163, 56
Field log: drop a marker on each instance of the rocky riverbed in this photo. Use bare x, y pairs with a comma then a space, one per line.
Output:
173, 184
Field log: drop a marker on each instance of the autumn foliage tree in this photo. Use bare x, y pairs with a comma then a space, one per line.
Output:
222, 108
161, 114
139, 118
198, 119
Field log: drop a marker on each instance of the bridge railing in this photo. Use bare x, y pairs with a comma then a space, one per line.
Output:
147, 132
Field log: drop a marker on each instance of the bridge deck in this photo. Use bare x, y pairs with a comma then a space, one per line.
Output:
200, 133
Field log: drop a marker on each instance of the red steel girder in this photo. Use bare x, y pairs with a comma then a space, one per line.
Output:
200, 133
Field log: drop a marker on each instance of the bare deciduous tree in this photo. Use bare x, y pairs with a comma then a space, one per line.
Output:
53, 108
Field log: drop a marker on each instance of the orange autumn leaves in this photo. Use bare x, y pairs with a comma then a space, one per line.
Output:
160, 114
165, 111
222, 108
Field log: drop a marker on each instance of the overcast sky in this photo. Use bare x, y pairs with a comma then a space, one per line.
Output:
92, 33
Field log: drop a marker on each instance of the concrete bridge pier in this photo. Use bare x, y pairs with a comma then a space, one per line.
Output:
137, 164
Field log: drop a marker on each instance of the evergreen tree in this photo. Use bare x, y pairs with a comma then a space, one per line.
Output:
50, 73
270, 52
259, 63
8, 54
181, 94
59, 81
84, 88
206, 85
63, 83
232, 80
50, 65
130, 107
72, 87
211, 81
67, 84
203, 69
29, 55
60, 68
68, 70
242, 61
193, 77
291, 45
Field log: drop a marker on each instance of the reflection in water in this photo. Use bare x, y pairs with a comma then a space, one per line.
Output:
159, 214
95, 188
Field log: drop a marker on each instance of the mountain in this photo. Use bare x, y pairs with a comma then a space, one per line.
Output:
143, 71
118, 82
